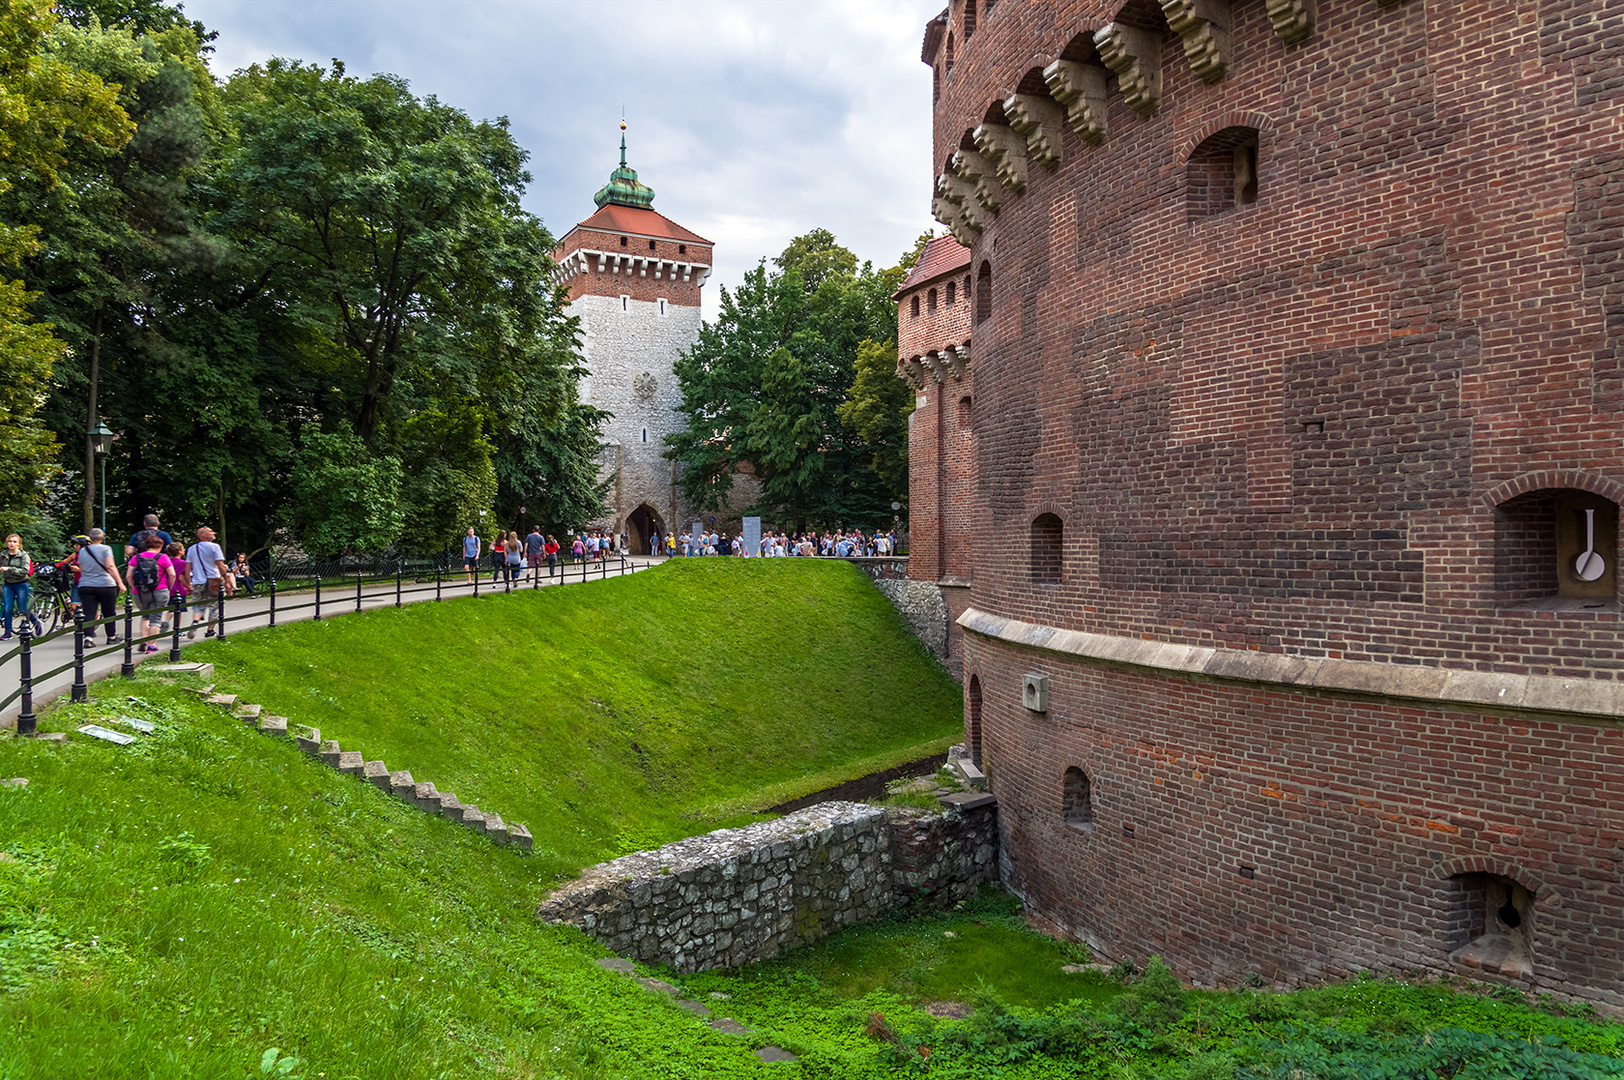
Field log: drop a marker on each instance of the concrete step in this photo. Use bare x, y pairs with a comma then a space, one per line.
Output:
729, 1027
424, 797
308, 738
247, 713
519, 836
402, 786
610, 963
774, 1053
350, 762
474, 818
377, 772
202, 671
274, 725
450, 806
223, 700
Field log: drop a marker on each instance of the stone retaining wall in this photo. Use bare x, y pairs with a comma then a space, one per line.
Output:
735, 896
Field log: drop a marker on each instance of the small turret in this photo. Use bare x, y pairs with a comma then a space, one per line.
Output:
624, 189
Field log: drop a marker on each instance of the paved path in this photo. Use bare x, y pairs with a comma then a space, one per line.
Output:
246, 613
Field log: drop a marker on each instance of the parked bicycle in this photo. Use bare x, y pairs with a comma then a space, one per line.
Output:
52, 601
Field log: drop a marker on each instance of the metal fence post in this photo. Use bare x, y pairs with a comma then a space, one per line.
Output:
436, 581
358, 590
397, 582
80, 692
177, 603
128, 668
221, 631
25, 719
273, 601
477, 572
317, 616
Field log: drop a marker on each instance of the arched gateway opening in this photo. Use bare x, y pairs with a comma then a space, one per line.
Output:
642, 527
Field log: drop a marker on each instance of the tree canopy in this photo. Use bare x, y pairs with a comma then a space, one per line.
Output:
770, 385
290, 282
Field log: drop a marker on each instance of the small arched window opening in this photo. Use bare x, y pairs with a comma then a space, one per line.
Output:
964, 414
651, 245
622, 241
1490, 923
930, 300
913, 310
682, 249
949, 63
972, 719
625, 303
969, 18
645, 434
984, 292
1047, 540
1221, 174
952, 291
1556, 547
1077, 800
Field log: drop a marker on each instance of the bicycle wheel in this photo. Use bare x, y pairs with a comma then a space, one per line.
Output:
55, 616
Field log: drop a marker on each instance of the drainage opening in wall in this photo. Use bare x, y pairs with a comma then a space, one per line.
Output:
1490, 924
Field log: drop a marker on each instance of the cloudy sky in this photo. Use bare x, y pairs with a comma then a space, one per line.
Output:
753, 120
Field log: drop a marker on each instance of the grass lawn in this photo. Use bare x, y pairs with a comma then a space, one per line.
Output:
621, 714
210, 902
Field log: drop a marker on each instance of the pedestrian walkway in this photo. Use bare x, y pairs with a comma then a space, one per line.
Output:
248, 613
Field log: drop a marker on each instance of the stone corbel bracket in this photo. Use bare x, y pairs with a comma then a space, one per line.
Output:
1293, 20
955, 207
1136, 57
1081, 89
1203, 25
956, 359
1038, 120
979, 173
912, 372
1006, 151
934, 365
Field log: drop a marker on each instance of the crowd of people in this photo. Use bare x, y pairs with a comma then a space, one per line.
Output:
839, 544
156, 570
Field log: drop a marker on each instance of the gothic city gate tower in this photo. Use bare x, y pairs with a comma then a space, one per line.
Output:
634, 277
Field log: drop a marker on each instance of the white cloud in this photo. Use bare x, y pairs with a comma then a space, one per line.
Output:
752, 121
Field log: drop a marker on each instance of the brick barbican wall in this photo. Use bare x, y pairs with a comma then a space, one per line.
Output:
941, 461
1288, 427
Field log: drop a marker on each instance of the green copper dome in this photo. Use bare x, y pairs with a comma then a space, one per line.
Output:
623, 188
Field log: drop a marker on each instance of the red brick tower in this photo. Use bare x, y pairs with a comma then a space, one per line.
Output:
634, 277
933, 355
1294, 638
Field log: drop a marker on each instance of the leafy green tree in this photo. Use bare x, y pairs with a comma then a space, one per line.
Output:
449, 477
875, 413
48, 108
346, 498
763, 384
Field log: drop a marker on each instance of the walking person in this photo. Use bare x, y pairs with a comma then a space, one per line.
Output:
514, 557
15, 570
498, 557
182, 586
100, 585
149, 523
151, 576
207, 564
471, 546
533, 545
550, 549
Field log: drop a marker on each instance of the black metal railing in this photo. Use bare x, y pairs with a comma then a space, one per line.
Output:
288, 588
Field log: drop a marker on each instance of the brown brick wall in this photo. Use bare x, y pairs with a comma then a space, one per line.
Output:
1288, 427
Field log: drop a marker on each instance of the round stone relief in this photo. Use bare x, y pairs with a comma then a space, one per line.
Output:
645, 385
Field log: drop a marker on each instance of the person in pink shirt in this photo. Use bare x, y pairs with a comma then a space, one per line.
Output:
152, 574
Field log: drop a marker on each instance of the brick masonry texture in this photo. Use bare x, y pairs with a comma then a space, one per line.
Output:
1328, 423
735, 896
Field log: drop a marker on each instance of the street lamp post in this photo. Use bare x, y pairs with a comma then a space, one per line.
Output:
101, 441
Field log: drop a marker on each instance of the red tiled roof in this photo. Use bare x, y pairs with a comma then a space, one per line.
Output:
638, 222
942, 256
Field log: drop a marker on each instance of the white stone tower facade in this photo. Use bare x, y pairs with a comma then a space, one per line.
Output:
634, 277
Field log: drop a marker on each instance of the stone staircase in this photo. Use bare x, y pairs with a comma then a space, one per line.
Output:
397, 782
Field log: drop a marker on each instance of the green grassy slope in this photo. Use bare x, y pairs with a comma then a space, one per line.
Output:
620, 714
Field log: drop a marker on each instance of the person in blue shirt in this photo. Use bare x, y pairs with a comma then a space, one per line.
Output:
137, 541
470, 554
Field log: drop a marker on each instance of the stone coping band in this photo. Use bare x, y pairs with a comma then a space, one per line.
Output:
1449, 687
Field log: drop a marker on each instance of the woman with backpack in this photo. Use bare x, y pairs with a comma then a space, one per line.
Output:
151, 575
